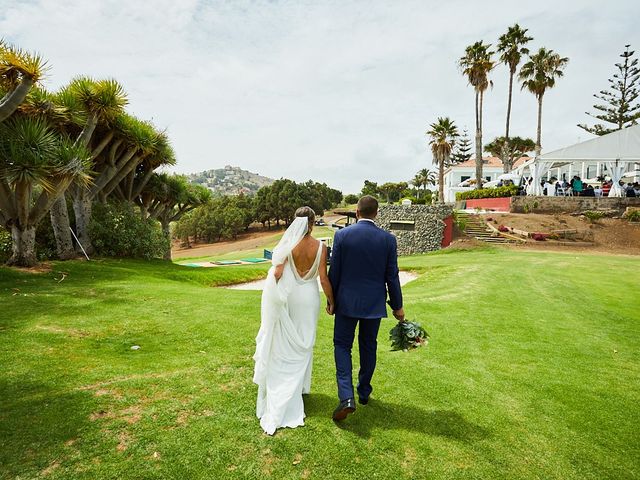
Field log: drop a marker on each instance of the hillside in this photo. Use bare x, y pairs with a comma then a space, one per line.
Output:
230, 180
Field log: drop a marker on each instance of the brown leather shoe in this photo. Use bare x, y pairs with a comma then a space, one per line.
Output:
344, 409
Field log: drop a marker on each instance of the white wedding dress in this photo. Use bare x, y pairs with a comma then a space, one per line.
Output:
284, 345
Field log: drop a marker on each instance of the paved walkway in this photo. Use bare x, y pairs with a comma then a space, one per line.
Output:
405, 277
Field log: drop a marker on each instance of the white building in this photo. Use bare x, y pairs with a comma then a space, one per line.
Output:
457, 174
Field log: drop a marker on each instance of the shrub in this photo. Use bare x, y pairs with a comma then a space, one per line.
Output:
460, 221
350, 199
539, 237
632, 215
416, 200
497, 192
118, 230
593, 215
502, 228
5, 245
46, 240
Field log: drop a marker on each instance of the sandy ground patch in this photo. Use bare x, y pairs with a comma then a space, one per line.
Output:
247, 241
610, 235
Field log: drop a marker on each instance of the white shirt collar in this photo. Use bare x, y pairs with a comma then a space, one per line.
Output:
366, 220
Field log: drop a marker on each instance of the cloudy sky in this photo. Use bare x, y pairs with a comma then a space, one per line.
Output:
338, 91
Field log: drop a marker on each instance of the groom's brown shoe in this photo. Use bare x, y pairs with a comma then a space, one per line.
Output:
344, 408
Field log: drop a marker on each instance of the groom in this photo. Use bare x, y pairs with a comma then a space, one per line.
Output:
364, 268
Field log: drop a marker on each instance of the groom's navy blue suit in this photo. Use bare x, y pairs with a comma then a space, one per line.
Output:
364, 267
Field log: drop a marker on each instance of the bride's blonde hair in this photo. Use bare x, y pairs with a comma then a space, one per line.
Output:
309, 213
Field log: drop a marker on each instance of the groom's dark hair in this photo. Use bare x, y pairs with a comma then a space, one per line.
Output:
368, 206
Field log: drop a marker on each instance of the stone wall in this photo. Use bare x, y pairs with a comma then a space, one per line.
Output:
571, 204
428, 227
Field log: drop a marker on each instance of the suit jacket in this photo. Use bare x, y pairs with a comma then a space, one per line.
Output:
364, 267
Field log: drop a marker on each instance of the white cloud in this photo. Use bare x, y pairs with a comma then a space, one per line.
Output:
338, 91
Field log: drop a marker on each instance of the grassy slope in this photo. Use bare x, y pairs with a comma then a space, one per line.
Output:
532, 373
267, 242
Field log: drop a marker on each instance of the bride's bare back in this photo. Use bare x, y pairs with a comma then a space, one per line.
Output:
304, 254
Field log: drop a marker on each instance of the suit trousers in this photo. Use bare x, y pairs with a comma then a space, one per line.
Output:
343, 335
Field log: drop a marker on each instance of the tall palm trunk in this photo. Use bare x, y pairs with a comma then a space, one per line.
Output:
62, 228
441, 178
506, 159
539, 132
478, 139
13, 99
24, 245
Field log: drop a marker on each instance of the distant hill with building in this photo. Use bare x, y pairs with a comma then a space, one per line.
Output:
230, 180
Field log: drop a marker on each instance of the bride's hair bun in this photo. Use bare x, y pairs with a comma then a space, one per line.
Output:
306, 212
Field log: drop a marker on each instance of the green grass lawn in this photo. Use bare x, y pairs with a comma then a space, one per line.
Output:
532, 372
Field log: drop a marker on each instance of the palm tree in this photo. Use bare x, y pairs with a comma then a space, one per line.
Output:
418, 181
539, 74
442, 138
19, 71
476, 64
511, 49
36, 165
428, 176
423, 178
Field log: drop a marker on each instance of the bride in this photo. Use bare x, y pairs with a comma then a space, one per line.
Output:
290, 308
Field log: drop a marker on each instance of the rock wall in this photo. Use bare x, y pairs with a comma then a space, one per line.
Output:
428, 226
571, 204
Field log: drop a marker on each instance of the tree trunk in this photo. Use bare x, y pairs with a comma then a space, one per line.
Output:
504, 156
24, 246
12, 100
539, 133
506, 164
61, 229
478, 140
166, 231
82, 208
441, 179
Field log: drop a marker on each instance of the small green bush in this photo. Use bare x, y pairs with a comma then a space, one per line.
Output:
632, 216
350, 199
497, 192
460, 221
46, 240
118, 230
593, 215
5, 245
416, 200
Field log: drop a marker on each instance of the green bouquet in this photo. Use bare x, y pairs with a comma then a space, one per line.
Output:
408, 335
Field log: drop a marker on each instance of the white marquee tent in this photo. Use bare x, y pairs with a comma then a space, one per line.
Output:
619, 151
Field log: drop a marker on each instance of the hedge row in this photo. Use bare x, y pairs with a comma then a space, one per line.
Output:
497, 192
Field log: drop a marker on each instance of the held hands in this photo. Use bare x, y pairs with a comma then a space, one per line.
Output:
330, 308
399, 314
